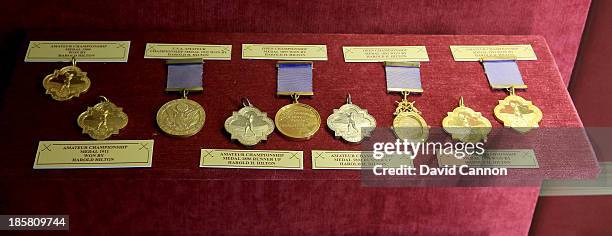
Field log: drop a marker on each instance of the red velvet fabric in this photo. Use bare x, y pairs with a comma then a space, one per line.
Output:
177, 197
560, 22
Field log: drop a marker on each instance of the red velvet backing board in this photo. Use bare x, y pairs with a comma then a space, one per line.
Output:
560, 22
175, 196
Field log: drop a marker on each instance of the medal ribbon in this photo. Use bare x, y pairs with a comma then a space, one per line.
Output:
185, 75
403, 76
503, 74
294, 78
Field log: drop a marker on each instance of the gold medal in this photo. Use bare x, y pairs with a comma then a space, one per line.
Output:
66, 83
466, 125
297, 120
249, 125
102, 120
181, 117
351, 122
517, 113
408, 123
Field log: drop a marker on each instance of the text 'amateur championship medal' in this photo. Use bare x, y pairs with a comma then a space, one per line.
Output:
67, 82
408, 124
351, 122
296, 120
249, 125
466, 125
514, 111
102, 120
182, 117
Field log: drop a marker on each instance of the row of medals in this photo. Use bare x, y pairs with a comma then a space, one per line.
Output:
249, 126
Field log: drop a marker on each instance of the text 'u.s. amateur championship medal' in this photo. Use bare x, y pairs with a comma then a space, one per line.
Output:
102, 120
182, 117
405, 77
249, 125
514, 111
296, 120
351, 122
67, 82
466, 125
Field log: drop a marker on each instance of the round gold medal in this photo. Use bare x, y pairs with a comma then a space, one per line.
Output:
410, 126
181, 117
408, 123
66, 83
297, 121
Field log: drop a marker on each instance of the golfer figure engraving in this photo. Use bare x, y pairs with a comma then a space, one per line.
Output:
249, 125
66, 83
102, 120
351, 122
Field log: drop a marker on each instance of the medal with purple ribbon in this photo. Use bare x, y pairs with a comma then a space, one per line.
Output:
408, 124
296, 121
514, 111
182, 117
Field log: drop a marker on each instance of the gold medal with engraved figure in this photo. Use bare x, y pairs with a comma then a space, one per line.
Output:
517, 113
181, 117
466, 125
408, 123
66, 83
297, 120
351, 122
249, 125
102, 120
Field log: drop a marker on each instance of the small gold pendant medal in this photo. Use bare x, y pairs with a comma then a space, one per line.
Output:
518, 113
102, 120
408, 123
466, 125
249, 125
297, 120
351, 122
66, 83
181, 117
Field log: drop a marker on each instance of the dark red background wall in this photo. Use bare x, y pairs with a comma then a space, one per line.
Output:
561, 22
591, 90
591, 87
